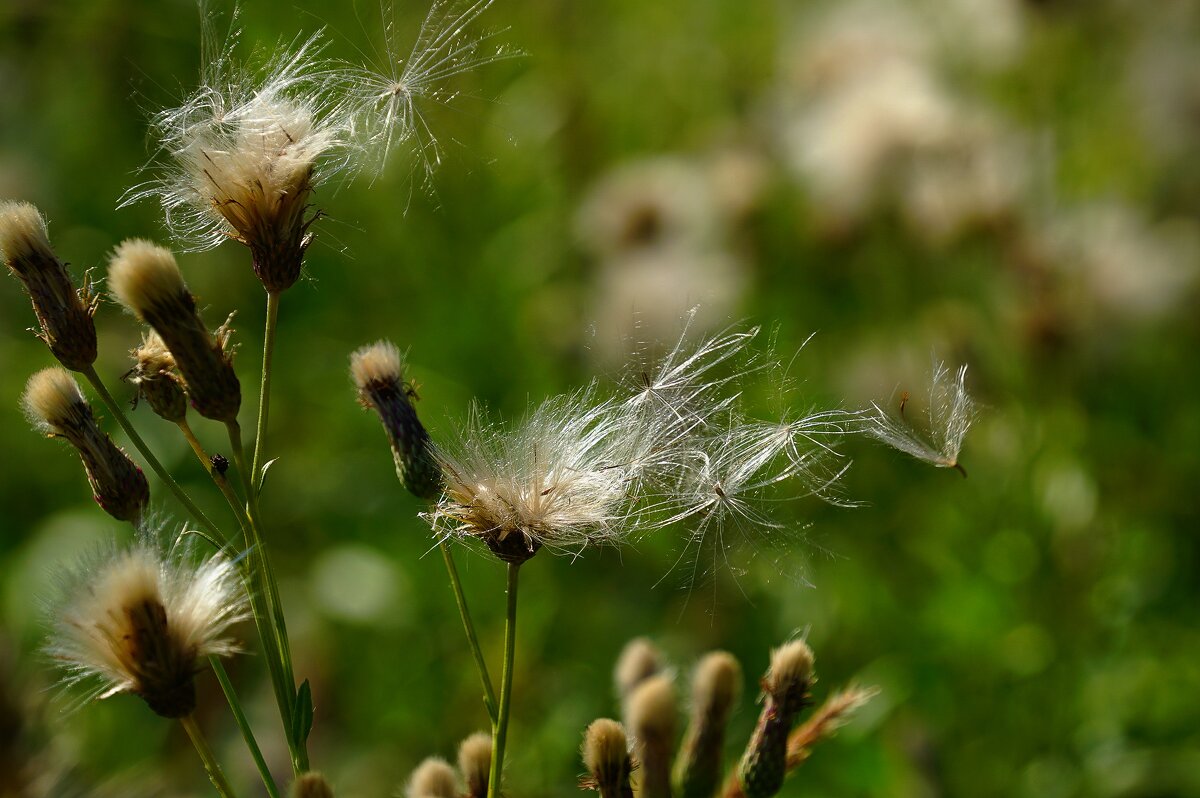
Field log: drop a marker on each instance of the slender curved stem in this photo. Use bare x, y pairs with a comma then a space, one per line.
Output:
235, 706
500, 728
215, 775
219, 479
282, 674
489, 693
149, 457
264, 392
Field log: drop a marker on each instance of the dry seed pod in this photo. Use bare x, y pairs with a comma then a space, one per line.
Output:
433, 778
146, 280
652, 717
311, 785
64, 314
784, 693
378, 373
156, 380
475, 762
716, 686
606, 756
56, 406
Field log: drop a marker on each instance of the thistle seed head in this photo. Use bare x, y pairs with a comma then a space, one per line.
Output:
652, 716
378, 374
716, 685
64, 314
791, 675
311, 785
142, 621
475, 762
145, 279
56, 406
950, 413
606, 757
433, 778
157, 380
639, 660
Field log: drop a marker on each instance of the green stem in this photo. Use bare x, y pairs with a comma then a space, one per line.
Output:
206, 756
264, 392
489, 693
247, 733
500, 728
282, 673
219, 479
147, 455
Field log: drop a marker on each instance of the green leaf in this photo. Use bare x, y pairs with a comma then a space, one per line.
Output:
302, 718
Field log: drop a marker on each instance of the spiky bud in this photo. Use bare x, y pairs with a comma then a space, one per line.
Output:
475, 762
716, 686
784, 693
378, 373
56, 406
64, 314
311, 785
433, 778
652, 716
606, 756
639, 660
156, 379
145, 279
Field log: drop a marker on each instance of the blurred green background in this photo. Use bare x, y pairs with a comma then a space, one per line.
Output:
1014, 185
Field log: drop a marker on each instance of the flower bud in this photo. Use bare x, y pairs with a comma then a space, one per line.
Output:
146, 280
64, 314
606, 756
378, 373
475, 762
433, 778
651, 715
785, 693
156, 379
56, 406
639, 660
715, 689
311, 785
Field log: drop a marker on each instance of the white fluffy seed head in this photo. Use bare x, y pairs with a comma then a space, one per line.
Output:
380, 362
53, 401
950, 413
142, 275
22, 232
141, 619
433, 778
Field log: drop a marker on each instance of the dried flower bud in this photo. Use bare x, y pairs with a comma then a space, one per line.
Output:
639, 660
311, 785
156, 379
715, 688
606, 756
65, 315
142, 621
475, 762
652, 717
785, 693
378, 373
145, 279
56, 406
433, 778
828, 718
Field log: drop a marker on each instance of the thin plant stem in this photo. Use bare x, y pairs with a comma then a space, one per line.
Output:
239, 715
149, 457
500, 727
219, 479
264, 392
215, 775
281, 671
489, 693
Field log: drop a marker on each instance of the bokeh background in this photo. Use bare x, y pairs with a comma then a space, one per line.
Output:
1011, 184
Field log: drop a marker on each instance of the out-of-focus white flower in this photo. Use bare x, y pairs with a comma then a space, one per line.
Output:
141, 621
950, 412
